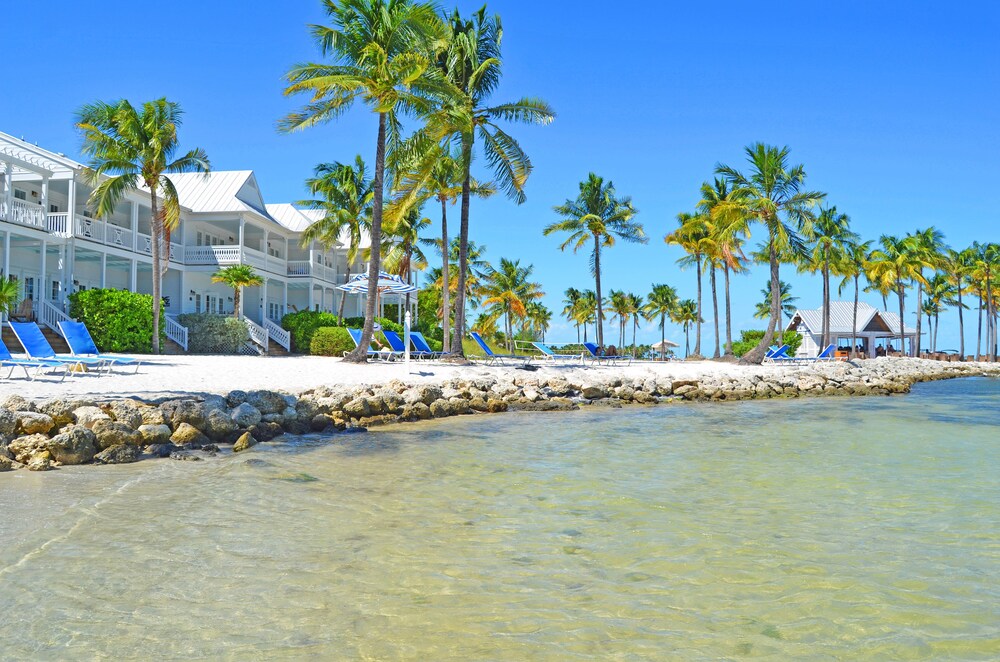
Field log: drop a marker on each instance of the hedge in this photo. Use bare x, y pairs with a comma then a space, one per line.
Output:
749, 339
118, 320
304, 324
214, 334
330, 341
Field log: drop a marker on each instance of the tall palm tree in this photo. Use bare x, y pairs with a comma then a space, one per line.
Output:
569, 307
693, 235
929, 244
728, 247
585, 311
661, 302
771, 194
852, 264
829, 237
381, 54
343, 192
986, 269
472, 67
763, 309
895, 264
635, 312
507, 291
597, 215
958, 267
129, 147
238, 276
10, 296
538, 319
941, 293
619, 303
686, 314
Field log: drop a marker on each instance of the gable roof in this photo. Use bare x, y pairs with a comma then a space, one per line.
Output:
842, 318
289, 216
221, 191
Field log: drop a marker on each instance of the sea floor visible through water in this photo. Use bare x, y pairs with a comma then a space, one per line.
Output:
825, 528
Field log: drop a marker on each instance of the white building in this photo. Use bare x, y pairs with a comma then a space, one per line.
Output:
875, 328
53, 244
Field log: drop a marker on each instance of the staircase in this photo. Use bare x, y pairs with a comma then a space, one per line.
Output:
57, 341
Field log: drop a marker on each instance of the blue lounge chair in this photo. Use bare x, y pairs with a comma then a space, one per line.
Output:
385, 354
492, 357
597, 356
397, 344
417, 340
37, 347
775, 354
8, 361
550, 355
828, 354
81, 343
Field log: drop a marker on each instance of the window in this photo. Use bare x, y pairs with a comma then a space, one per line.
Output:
53, 209
55, 291
197, 303
29, 288
20, 195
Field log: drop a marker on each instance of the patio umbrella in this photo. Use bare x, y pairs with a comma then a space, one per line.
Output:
662, 346
387, 284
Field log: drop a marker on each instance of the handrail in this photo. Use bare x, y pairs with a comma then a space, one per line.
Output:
278, 335
176, 332
258, 334
23, 212
58, 224
50, 316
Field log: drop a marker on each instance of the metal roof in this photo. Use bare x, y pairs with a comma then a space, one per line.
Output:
289, 216
32, 159
220, 191
345, 236
842, 318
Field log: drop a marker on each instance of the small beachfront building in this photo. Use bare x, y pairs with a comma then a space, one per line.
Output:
54, 244
875, 328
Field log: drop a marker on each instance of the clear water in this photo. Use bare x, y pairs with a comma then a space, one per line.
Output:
805, 529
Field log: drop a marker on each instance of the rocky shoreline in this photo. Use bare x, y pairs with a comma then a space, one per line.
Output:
40, 436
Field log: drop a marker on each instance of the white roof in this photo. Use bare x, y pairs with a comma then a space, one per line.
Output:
32, 159
220, 191
842, 318
289, 216
344, 239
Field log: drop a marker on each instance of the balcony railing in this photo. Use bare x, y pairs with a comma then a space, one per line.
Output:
307, 268
22, 213
144, 244
58, 224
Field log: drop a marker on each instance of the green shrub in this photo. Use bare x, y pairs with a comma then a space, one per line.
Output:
749, 339
385, 322
330, 341
118, 320
214, 334
303, 324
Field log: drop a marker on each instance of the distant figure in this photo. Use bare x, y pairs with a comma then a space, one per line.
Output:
611, 351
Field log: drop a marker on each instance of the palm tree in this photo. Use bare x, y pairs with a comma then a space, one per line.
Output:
507, 291
538, 319
401, 252
986, 268
958, 267
661, 302
619, 303
929, 244
569, 308
772, 195
478, 269
941, 293
486, 325
894, 265
694, 237
763, 309
345, 195
728, 247
381, 52
853, 263
238, 276
597, 214
586, 311
472, 67
829, 236
10, 295
686, 314
635, 311
128, 148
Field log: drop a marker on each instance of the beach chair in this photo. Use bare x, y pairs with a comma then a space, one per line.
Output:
775, 354
492, 357
38, 348
550, 355
81, 343
417, 340
828, 354
397, 345
39, 365
598, 357
384, 354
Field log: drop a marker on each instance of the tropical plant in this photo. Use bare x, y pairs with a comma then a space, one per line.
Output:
537, 319
598, 215
585, 311
569, 307
852, 264
929, 246
771, 194
118, 320
958, 267
896, 263
686, 314
728, 247
635, 312
507, 291
941, 293
985, 272
694, 237
128, 148
238, 276
10, 295
829, 237
381, 54
330, 341
302, 325
485, 325
620, 305
762, 311
214, 334
661, 302
401, 252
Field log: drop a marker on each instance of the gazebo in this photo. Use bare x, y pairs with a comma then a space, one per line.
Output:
874, 328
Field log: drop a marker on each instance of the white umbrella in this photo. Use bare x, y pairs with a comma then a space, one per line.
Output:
387, 284
663, 345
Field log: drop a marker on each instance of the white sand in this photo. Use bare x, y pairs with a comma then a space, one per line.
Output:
168, 375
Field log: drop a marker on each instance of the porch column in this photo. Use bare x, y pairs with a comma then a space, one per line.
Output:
6, 254
184, 307
242, 225
263, 301
134, 225
40, 289
63, 283
311, 296
104, 270
284, 301
267, 248
45, 200
9, 184
133, 274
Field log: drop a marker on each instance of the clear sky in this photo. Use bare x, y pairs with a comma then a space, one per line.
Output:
892, 107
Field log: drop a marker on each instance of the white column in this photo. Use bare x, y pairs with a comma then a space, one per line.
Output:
9, 185
185, 305
40, 288
6, 254
134, 224
284, 300
133, 275
63, 283
311, 295
263, 301
267, 249
242, 225
104, 270
45, 199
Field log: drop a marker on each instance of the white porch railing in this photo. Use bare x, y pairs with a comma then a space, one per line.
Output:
23, 213
258, 334
58, 224
212, 254
278, 335
307, 268
50, 316
176, 332
144, 244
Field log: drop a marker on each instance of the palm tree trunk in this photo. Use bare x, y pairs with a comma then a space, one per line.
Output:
663, 336
756, 355
687, 340
597, 282
360, 353
961, 324
635, 328
236, 302
979, 331
445, 294
729, 315
343, 296
826, 298
463, 246
156, 230
577, 334
991, 333
920, 307
902, 325
715, 313
697, 334
854, 322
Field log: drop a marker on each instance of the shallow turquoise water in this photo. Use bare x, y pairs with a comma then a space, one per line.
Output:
803, 529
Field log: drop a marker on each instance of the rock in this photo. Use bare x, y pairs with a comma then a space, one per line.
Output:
295, 426
417, 411
185, 455
267, 402
185, 433
210, 448
5, 463
184, 411
236, 398
119, 454
245, 441
23, 448
358, 408
320, 422
126, 412
644, 398
40, 461
219, 424
494, 406
477, 403
153, 416
423, 393
245, 415
89, 415
110, 433
162, 450
441, 408
555, 404
61, 410
17, 403
8, 423
74, 445
154, 434
266, 431
29, 422
594, 392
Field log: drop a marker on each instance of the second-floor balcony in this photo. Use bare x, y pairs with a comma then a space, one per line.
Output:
233, 254
305, 268
23, 212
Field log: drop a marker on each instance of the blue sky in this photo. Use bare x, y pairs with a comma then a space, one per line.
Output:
891, 107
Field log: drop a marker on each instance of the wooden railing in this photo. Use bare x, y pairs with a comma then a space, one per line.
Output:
176, 332
307, 268
22, 213
258, 334
50, 316
278, 335
58, 224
